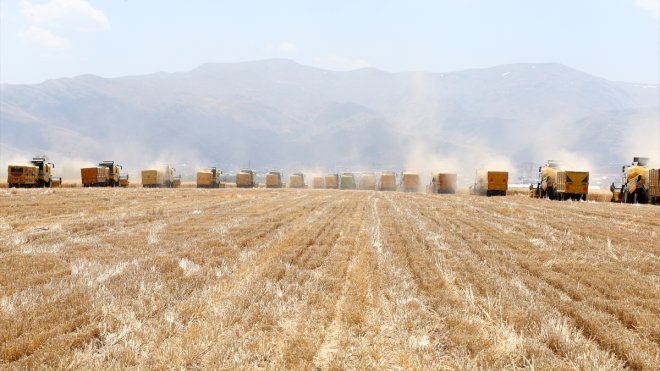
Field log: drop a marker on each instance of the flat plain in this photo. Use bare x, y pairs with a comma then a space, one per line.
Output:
116, 278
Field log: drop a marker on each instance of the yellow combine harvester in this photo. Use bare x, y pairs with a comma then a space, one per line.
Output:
166, 178
557, 184
246, 179
387, 181
274, 179
635, 187
106, 174
209, 178
347, 181
318, 182
368, 182
410, 181
37, 175
490, 183
297, 180
443, 183
332, 181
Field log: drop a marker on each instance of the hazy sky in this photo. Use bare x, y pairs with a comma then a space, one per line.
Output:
42, 39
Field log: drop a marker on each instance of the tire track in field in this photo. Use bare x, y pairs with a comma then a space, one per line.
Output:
470, 274
624, 351
184, 219
239, 310
243, 279
598, 326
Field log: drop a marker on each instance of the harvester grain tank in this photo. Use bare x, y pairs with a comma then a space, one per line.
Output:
634, 183
368, 182
209, 178
347, 181
297, 180
654, 186
490, 183
387, 181
572, 185
246, 179
96, 176
443, 183
274, 179
558, 184
332, 181
410, 181
38, 174
318, 182
166, 178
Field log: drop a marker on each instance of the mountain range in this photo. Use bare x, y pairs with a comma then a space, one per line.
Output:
282, 115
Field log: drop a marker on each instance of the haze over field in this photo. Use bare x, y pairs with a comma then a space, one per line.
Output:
307, 95
280, 114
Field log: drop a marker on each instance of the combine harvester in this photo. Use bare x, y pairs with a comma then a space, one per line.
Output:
37, 175
490, 183
410, 181
557, 184
209, 178
387, 181
274, 179
297, 180
332, 181
246, 178
166, 178
637, 186
444, 183
318, 182
368, 182
347, 181
106, 174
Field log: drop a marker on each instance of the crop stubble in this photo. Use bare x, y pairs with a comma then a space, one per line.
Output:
324, 279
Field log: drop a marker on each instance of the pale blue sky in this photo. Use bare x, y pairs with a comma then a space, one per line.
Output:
42, 39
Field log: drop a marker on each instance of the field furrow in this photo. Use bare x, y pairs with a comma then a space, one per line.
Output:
314, 279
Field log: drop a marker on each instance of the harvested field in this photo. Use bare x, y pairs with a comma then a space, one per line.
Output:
110, 278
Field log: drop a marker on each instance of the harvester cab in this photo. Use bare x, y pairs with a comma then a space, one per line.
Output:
634, 183
41, 163
174, 179
545, 185
114, 176
45, 178
640, 161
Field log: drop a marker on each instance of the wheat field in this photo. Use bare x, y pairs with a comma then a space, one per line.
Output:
315, 279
